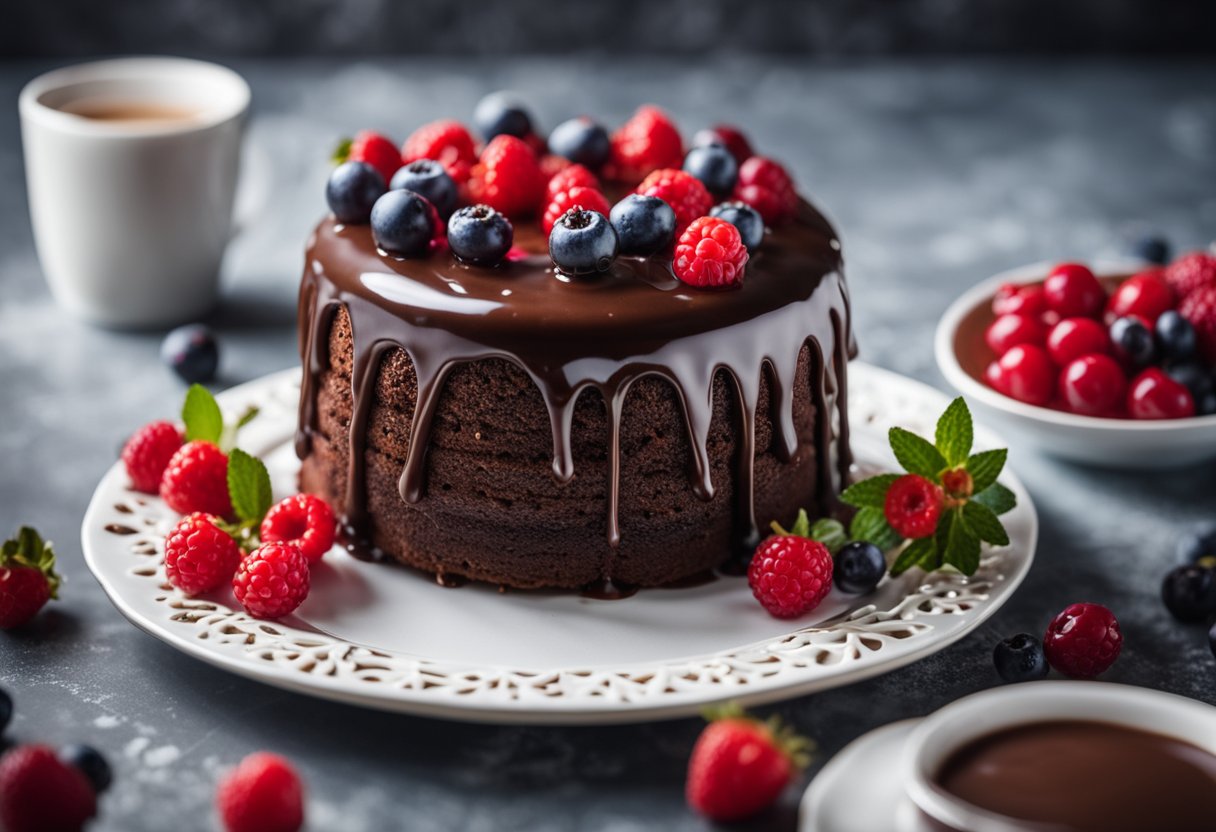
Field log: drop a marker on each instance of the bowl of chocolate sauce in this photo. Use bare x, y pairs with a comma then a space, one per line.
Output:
1062, 756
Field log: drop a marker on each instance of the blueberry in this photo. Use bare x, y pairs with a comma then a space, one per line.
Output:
1190, 592
1152, 248
1199, 544
90, 763
714, 166
859, 567
499, 113
352, 190
6, 710
644, 224
582, 242
1175, 335
1193, 376
708, 137
745, 218
428, 178
1020, 658
192, 352
480, 235
403, 223
581, 140
1133, 342
1205, 404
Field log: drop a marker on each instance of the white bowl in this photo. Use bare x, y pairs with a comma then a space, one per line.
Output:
1112, 443
939, 735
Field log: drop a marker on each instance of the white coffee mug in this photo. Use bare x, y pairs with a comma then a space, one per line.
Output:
132, 215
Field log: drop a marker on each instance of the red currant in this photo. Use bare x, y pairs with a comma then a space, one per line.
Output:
1008, 331
1145, 294
1026, 374
1012, 299
1074, 292
1072, 338
1092, 385
1154, 395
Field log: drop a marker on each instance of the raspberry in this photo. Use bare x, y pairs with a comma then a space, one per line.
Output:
445, 141
790, 575
913, 506
648, 141
1083, 640
569, 177
305, 520
1191, 271
682, 191
1199, 308
766, 186
40, 793
197, 480
374, 149
272, 580
27, 578
199, 556
508, 178
262, 794
710, 253
588, 199
146, 454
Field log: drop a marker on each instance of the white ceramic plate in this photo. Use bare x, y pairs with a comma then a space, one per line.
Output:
1111, 443
392, 638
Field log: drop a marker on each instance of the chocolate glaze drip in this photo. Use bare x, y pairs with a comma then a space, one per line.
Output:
602, 332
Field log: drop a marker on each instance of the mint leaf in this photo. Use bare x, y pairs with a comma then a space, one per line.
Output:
870, 524
802, 525
869, 492
248, 416
957, 546
916, 455
341, 152
996, 497
248, 486
983, 522
954, 433
202, 416
830, 533
985, 467
921, 552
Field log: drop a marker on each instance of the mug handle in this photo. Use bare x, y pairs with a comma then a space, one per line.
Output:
253, 188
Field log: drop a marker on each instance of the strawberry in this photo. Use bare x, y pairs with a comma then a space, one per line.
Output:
263, 794
40, 793
27, 577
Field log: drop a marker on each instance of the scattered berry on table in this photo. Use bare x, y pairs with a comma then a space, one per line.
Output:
352, 190
647, 141
199, 555
1093, 385
1008, 331
1072, 338
1020, 658
303, 519
501, 114
644, 224
1175, 336
372, 148
40, 793
192, 352
766, 186
731, 138
272, 580
1190, 272
1189, 592
588, 199
745, 218
429, 179
1072, 291
582, 141
1199, 308
1151, 248
582, 242
715, 167
710, 254
1154, 395
1025, 373
1197, 544
1145, 294
1083, 641
197, 480
790, 575
404, 223
6, 711
480, 235
859, 567
90, 762
913, 506
1012, 299
262, 794
1133, 341
682, 191
445, 141
574, 176
147, 453
508, 177
27, 578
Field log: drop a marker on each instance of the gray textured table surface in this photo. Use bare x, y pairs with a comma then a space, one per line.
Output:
938, 174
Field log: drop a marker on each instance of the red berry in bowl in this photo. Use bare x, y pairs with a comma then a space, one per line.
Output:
1072, 338
1083, 641
1012, 299
1008, 331
1145, 294
1027, 374
303, 519
1191, 271
1199, 307
790, 575
1093, 385
913, 506
1073, 291
1154, 395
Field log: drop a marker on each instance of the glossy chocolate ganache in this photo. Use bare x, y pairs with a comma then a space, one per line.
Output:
764, 359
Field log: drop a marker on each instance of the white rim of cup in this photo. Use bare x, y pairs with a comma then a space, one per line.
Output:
1011, 706
133, 69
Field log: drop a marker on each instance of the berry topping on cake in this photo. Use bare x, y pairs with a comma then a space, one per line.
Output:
571, 176
1146, 295
272, 580
373, 149
1190, 272
480, 235
1199, 308
196, 479
1083, 641
508, 178
582, 141
352, 190
644, 224
1093, 385
501, 114
41, 793
790, 574
191, 352
147, 453
1024, 373
582, 242
303, 519
1154, 395
1012, 299
1008, 331
90, 762
27, 577
913, 505
715, 167
1072, 338
429, 179
263, 794
199, 555
1072, 291
724, 135
648, 141
1020, 659
859, 567
404, 223
1189, 592
682, 191
766, 186
445, 141
710, 254
577, 197
745, 218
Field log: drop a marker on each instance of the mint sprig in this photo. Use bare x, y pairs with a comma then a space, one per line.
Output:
248, 486
205, 422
